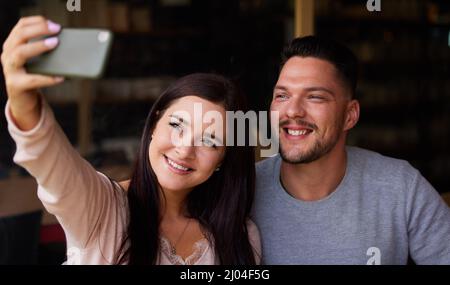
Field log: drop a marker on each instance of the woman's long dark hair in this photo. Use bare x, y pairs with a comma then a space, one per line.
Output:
221, 204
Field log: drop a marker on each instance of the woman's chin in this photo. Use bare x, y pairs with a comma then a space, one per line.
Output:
173, 184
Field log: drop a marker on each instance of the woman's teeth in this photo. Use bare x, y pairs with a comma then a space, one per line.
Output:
177, 166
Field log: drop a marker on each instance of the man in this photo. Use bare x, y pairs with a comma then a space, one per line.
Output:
321, 202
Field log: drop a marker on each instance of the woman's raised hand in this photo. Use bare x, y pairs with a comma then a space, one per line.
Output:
22, 88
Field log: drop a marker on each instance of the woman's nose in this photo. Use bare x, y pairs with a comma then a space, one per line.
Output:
185, 152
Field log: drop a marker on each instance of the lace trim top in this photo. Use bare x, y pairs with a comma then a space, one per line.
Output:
200, 249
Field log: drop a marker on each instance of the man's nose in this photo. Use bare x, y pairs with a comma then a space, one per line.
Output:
295, 108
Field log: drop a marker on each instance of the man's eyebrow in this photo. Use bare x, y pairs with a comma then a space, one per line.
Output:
181, 120
308, 89
280, 87
323, 89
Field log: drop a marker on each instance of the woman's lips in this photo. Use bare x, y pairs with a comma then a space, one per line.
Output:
177, 167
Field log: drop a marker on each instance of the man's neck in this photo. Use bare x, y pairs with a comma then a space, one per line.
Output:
316, 180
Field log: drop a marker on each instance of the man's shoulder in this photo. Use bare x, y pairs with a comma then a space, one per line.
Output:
374, 158
266, 172
267, 164
379, 166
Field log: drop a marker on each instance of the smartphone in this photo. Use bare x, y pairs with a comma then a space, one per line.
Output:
81, 53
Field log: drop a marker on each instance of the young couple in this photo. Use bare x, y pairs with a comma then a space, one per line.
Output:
317, 202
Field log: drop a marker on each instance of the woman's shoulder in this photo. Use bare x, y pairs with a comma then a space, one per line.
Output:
255, 239
125, 184
251, 225
252, 229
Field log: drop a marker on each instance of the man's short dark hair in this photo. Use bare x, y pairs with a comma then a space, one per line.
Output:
337, 54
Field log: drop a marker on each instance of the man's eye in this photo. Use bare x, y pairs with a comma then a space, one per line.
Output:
281, 96
317, 97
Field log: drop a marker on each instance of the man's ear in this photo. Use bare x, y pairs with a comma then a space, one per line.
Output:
351, 114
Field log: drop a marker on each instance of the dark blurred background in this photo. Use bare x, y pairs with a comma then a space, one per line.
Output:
404, 86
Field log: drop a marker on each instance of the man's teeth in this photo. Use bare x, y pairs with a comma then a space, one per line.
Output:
297, 132
177, 166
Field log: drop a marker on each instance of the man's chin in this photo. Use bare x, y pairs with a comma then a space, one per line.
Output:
296, 158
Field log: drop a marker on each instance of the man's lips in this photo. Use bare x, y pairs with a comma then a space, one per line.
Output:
296, 131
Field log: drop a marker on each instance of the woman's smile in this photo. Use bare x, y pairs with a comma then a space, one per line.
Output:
177, 167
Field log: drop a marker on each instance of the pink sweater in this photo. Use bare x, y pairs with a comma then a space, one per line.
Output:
93, 213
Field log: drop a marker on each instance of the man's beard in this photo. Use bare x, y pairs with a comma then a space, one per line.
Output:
318, 150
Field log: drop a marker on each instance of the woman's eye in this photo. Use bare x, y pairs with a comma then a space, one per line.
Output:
209, 143
176, 126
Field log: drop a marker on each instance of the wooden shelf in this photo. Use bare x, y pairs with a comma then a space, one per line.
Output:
163, 33
446, 197
373, 21
18, 195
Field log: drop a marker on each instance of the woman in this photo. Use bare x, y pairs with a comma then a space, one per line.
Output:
184, 203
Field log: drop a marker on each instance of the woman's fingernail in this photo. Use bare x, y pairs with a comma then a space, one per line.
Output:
51, 42
59, 79
53, 27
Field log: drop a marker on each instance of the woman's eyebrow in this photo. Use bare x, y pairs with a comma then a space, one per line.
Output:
212, 136
185, 122
180, 119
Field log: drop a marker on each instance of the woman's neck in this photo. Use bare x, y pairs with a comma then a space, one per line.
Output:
173, 204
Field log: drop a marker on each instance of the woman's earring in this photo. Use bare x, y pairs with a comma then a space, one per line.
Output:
217, 169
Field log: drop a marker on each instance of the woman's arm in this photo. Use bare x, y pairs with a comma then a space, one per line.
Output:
82, 199
69, 187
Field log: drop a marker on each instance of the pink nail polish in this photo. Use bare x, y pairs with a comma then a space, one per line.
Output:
53, 27
51, 42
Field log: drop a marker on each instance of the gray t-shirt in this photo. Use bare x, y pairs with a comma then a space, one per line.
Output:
382, 211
